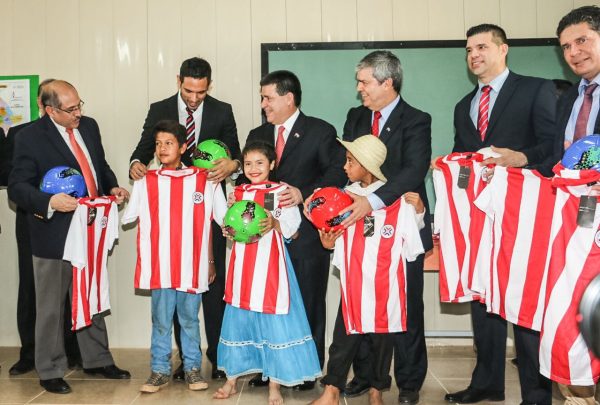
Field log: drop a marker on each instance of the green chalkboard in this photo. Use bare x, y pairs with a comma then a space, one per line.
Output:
435, 76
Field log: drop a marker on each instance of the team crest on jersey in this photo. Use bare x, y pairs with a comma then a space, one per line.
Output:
104, 222
91, 216
198, 197
597, 238
277, 213
485, 174
387, 231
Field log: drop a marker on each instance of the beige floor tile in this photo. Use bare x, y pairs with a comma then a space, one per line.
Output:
18, 390
93, 392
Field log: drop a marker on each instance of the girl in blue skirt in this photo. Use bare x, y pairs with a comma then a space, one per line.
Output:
265, 329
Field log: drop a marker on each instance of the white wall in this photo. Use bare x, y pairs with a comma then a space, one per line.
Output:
124, 54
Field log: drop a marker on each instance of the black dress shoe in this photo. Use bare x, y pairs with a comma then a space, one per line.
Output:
257, 381
21, 367
473, 395
305, 386
407, 396
56, 386
355, 388
178, 374
218, 374
112, 372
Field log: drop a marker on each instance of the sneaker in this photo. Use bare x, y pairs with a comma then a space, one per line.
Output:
195, 380
155, 382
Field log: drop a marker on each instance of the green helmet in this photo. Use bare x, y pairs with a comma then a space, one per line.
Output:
209, 150
242, 221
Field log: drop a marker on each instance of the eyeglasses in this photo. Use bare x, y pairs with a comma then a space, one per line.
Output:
71, 110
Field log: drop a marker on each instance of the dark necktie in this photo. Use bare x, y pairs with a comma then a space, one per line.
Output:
584, 112
190, 130
484, 108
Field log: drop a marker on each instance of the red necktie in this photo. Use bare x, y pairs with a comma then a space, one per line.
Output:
280, 144
484, 108
84, 165
190, 130
584, 112
375, 126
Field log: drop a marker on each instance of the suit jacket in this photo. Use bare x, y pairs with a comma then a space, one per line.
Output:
407, 136
311, 158
217, 123
522, 119
5, 158
38, 148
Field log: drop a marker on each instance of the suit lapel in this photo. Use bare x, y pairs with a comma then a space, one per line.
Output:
465, 107
392, 122
296, 134
58, 142
506, 92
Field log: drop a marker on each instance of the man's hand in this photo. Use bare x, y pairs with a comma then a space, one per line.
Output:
230, 199
63, 202
307, 201
359, 208
414, 199
290, 197
328, 238
222, 169
212, 271
433, 164
137, 170
508, 158
120, 193
596, 190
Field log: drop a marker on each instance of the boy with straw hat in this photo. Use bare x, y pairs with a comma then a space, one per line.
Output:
371, 255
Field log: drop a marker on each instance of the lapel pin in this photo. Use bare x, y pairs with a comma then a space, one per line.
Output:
296, 135
388, 129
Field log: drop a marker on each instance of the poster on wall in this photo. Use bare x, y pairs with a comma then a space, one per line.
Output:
18, 100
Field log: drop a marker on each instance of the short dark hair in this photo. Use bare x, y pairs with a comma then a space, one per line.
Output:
261, 147
498, 34
585, 14
196, 68
385, 66
171, 127
285, 82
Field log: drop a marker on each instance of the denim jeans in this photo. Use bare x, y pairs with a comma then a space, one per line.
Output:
164, 302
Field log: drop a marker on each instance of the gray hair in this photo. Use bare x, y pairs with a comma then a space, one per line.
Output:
385, 66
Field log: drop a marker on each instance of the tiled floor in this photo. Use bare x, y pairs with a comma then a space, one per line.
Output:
449, 370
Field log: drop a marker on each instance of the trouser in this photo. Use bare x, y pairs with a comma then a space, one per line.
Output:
213, 305
343, 349
410, 351
26, 298
535, 388
312, 274
53, 279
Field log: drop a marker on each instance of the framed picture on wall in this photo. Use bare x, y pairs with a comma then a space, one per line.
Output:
18, 100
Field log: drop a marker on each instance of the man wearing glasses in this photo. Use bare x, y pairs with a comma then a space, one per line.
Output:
62, 137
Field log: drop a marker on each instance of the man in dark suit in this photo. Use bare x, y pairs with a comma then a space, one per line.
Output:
579, 37
514, 115
406, 132
309, 157
26, 295
204, 118
62, 137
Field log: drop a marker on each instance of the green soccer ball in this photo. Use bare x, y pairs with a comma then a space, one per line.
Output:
209, 150
242, 221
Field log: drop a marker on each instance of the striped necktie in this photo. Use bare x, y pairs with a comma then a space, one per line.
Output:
484, 108
584, 113
190, 130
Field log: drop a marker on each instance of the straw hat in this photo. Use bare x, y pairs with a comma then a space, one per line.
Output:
370, 153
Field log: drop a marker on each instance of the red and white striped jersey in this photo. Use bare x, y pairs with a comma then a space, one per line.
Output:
175, 209
464, 234
575, 261
257, 275
519, 203
372, 269
92, 233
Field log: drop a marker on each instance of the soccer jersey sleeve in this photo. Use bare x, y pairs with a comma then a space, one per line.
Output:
132, 212
219, 205
412, 246
289, 220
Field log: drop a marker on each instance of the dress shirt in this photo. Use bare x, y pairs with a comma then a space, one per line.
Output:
496, 85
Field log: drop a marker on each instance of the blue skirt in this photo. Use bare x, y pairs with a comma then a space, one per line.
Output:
280, 347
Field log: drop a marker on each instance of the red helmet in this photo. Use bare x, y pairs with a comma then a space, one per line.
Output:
325, 205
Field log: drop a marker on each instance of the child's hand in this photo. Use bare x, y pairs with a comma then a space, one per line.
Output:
328, 237
230, 199
415, 200
269, 223
227, 234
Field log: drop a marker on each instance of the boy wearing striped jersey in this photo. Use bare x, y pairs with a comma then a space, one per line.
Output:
371, 255
175, 206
